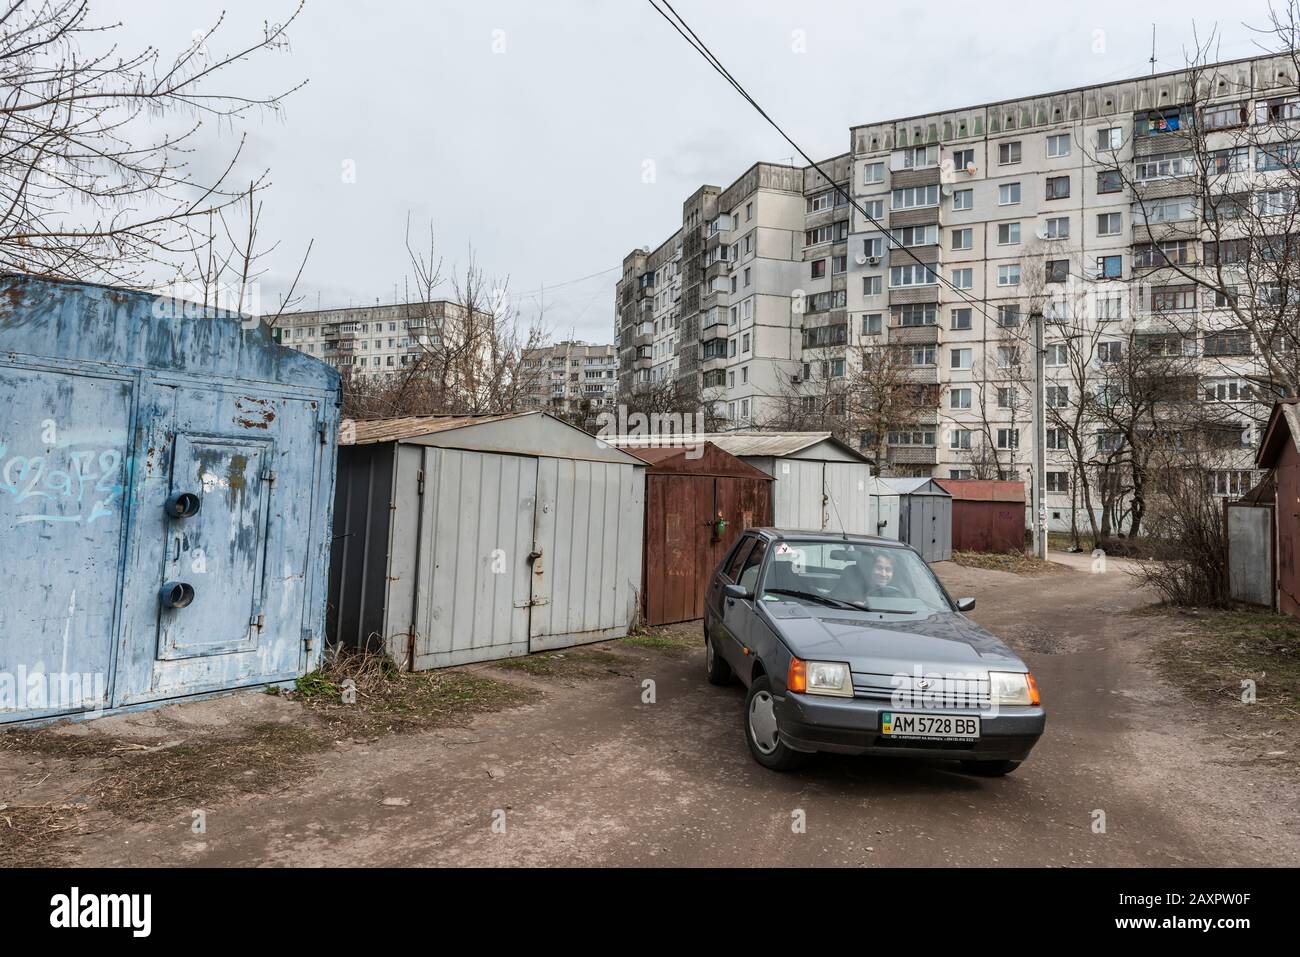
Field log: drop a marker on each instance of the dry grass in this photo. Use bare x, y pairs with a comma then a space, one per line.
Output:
1014, 562
567, 665
676, 640
190, 767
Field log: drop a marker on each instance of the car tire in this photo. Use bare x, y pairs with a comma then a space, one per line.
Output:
765, 744
715, 666
989, 769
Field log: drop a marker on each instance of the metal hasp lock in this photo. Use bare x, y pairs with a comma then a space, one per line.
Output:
182, 505
534, 559
176, 594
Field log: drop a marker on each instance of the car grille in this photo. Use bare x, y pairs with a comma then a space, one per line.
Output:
946, 692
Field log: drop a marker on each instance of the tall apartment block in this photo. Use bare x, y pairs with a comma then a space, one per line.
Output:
577, 380
378, 340
764, 280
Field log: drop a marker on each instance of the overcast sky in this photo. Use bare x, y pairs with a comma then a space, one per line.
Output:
524, 128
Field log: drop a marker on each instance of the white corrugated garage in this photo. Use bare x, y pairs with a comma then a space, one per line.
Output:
821, 483
466, 538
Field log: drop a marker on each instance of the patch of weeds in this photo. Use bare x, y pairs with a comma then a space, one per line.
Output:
673, 640
565, 664
1014, 562
1217, 650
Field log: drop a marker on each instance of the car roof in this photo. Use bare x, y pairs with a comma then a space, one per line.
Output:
823, 536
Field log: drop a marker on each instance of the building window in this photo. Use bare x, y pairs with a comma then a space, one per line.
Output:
1009, 316
916, 314
959, 439
1232, 483
963, 160
1231, 343
1058, 145
1110, 351
1008, 153
959, 399
1057, 440
961, 318
873, 173
962, 238
839, 264
1058, 187
749, 211
1008, 357
963, 199
837, 368
1058, 396
1110, 138
963, 278
1163, 166
1110, 224
1058, 270
908, 236
1058, 482
922, 355
959, 358
914, 197
1008, 234
874, 208
1110, 267
871, 248
1179, 298
818, 268
744, 342
1228, 390
746, 277
871, 285
823, 200
912, 275
815, 237
1056, 354
1008, 438
871, 324
1006, 397
1057, 228
1109, 181
1008, 194
1009, 275
920, 157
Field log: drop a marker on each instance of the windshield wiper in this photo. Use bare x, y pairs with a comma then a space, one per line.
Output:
832, 602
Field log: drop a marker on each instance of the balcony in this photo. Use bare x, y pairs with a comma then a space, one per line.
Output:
907, 335
913, 454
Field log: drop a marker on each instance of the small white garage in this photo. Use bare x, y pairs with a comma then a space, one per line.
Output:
821, 484
467, 538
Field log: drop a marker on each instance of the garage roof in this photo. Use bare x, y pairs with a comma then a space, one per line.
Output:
516, 433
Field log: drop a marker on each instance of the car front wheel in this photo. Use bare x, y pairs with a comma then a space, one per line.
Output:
761, 730
715, 666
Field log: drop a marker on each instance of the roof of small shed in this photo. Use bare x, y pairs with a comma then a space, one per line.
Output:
983, 490
514, 433
702, 458
1283, 423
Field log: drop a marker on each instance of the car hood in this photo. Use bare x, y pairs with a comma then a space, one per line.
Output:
875, 644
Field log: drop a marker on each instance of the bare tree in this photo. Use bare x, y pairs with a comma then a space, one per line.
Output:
468, 351
86, 192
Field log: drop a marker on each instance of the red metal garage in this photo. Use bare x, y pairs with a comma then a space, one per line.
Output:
987, 516
684, 498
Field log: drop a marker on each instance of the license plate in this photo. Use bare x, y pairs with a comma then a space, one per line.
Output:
929, 727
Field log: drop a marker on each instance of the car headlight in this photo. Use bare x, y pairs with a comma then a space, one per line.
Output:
1012, 687
820, 677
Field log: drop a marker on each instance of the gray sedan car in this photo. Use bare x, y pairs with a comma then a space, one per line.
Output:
848, 643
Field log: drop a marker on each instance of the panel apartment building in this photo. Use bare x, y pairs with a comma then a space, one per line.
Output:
765, 279
371, 341
576, 380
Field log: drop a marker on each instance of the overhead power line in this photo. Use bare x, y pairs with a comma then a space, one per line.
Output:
682, 27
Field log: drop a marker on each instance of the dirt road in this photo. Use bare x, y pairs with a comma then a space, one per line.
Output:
589, 773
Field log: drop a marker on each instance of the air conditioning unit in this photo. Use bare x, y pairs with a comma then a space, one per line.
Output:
873, 260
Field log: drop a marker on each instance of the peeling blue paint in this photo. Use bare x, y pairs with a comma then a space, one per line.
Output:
111, 402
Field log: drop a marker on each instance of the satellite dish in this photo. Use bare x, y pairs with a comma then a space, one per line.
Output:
946, 189
1041, 232
860, 259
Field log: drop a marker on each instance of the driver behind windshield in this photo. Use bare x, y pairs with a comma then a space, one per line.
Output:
877, 582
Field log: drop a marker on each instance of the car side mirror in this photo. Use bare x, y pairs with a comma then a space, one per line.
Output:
965, 604
735, 591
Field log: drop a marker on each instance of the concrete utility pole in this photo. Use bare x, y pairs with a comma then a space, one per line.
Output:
1040, 440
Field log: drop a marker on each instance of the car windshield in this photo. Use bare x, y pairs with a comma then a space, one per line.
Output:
853, 576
